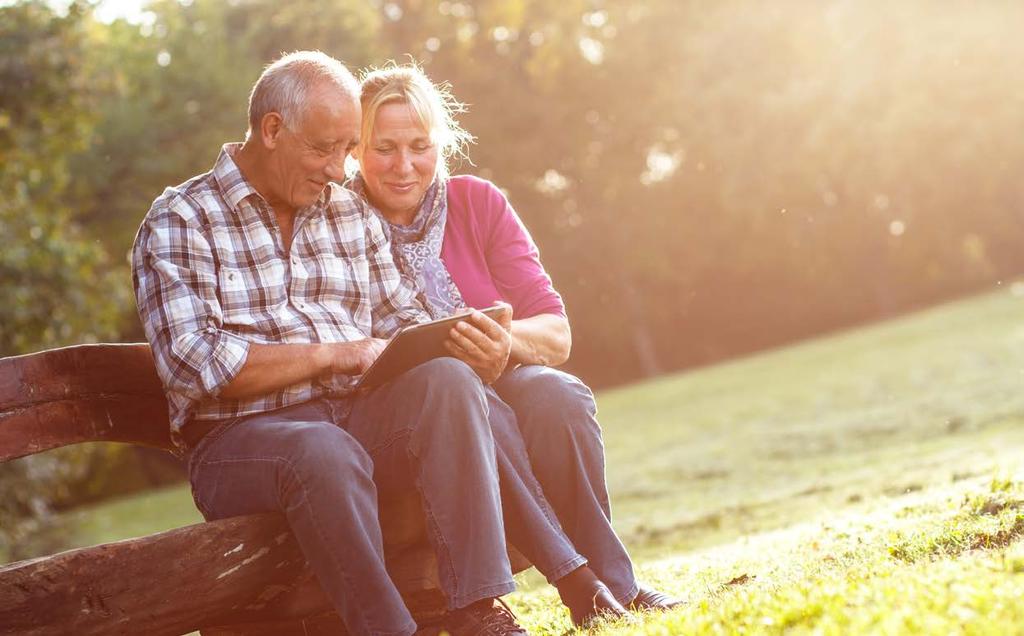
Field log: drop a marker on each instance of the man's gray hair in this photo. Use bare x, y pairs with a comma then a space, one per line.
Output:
285, 85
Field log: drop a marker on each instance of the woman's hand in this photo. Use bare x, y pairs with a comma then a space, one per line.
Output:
482, 343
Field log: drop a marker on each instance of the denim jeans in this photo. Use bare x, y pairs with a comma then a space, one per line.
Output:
531, 525
295, 460
415, 440
557, 418
430, 430
438, 430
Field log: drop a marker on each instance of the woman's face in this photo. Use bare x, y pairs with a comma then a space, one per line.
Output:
398, 162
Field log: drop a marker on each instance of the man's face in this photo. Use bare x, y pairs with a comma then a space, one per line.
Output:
311, 152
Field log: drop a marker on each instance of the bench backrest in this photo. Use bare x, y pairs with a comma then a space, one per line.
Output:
85, 393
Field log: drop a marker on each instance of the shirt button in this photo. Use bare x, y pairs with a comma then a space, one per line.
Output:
295, 260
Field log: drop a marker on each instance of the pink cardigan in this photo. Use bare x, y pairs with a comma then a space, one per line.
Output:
490, 254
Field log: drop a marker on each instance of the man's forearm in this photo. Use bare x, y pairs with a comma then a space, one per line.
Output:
544, 339
271, 367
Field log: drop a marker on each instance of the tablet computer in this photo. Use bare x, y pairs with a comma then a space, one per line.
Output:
413, 346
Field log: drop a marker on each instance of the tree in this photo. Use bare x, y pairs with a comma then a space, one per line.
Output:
60, 286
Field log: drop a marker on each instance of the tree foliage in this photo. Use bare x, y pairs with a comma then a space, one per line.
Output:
56, 281
58, 284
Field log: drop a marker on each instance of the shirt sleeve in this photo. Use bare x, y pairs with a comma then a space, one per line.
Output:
514, 261
394, 303
176, 292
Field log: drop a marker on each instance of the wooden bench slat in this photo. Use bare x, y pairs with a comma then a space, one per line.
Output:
323, 625
78, 371
238, 570
169, 583
41, 427
103, 392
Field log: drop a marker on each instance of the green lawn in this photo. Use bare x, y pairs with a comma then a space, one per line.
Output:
866, 482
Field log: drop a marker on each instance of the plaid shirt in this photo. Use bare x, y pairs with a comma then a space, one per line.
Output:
211, 276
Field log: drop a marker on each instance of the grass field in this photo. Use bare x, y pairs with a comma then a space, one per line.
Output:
871, 481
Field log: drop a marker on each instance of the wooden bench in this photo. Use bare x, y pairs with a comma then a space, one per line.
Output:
236, 576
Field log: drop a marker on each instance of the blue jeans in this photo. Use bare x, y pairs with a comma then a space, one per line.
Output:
428, 430
557, 420
531, 524
295, 460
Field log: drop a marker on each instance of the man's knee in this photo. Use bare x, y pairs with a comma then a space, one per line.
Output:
445, 372
457, 399
443, 384
321, 448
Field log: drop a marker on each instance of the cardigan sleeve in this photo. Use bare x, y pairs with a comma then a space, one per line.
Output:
513, 258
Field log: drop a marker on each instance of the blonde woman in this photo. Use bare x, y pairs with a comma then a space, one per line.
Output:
462, 245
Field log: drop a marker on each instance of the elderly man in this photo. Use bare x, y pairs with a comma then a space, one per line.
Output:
264, 288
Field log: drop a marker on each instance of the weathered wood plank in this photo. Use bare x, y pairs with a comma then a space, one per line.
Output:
239, 570
49, 425
77, 394
78, 371
168, 583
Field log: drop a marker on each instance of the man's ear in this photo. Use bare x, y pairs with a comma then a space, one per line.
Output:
271, 127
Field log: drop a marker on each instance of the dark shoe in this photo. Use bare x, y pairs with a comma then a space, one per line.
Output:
653, 600
483, 618
601, 605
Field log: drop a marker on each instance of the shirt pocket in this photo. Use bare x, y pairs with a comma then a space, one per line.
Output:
336, 282
249, 294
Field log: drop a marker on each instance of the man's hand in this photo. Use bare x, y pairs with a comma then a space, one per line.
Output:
482, 343
355, 357
272, 367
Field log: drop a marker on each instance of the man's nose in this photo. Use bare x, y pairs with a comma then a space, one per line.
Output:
335, 168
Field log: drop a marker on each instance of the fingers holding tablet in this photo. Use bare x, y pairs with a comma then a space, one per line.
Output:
482, 342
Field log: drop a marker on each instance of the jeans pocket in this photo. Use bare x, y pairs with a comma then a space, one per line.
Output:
202, 476
204, 485
198, 498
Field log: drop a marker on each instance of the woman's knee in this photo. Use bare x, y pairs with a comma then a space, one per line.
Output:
552, 399
554, 411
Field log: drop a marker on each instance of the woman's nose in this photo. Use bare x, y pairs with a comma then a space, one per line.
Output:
403, 162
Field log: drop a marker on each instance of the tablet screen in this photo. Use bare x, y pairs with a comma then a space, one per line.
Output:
413, 346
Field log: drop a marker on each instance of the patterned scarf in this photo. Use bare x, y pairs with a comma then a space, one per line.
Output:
417, 249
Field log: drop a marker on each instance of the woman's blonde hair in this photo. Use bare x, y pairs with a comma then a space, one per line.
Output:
433, 104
